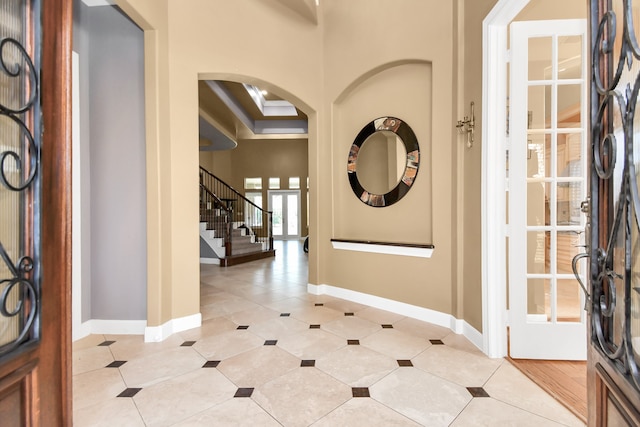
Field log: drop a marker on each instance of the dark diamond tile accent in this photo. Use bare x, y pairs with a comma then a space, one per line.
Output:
129, 392
211, 364
244, 392
353, 342
478, 392
116, 364
187, 344
105, 343
270, 342
318, 304
386, 326
285, 314
436, 342
405, 363
314, 326
360, 391
243, 327
348, 314
307, 363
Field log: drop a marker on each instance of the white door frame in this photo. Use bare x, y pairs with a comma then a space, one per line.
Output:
494, 185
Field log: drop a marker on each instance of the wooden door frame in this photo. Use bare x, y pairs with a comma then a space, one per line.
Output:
55, 348
44, 371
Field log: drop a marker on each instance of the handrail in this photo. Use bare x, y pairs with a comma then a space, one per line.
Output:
257, 221
234, 190
213, 196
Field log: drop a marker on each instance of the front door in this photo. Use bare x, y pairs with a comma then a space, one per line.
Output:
613, 376
547, 182
285, 205
35, 50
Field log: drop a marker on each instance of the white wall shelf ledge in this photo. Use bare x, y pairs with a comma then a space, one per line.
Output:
389, 248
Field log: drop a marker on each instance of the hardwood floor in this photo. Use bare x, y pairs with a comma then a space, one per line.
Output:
565, 380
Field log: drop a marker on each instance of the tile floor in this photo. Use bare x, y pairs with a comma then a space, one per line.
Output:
269, 354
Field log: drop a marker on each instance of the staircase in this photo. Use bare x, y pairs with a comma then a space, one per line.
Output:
233, 230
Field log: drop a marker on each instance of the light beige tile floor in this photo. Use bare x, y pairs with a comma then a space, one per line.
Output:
300, 364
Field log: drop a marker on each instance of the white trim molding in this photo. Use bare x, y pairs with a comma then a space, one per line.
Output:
494, 95
92, 3
162, 332
403, 250
109, 327
427, 315
137, 327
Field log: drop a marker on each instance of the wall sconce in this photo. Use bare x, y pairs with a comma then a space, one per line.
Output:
467, 126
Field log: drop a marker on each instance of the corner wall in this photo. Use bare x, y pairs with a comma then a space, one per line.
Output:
113, 158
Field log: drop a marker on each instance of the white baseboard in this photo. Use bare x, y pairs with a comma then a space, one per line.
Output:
79, 332
162, 332
458, 326
136, 327
109, 327
210, 261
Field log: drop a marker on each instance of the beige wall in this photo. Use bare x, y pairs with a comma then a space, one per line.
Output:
470, 250
264, 158
397, 73
343, 72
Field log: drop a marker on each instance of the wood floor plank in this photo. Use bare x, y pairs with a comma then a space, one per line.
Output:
565, 380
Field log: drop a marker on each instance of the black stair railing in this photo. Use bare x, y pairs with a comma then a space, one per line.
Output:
234, 207
218, 218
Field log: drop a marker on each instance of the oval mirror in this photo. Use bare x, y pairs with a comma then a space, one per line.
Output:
383, 161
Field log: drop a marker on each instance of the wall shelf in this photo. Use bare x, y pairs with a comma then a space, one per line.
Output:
389, 248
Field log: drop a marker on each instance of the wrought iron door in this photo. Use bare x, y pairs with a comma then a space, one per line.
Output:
614, 245
35, 194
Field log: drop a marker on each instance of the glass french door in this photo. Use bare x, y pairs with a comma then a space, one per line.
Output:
285, 205
547, 183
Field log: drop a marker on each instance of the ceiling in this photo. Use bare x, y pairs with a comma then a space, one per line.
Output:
231, 111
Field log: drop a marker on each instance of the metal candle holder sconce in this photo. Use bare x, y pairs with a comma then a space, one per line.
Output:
467, 126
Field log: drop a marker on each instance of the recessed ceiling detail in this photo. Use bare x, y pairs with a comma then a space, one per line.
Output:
258, 126
270, 107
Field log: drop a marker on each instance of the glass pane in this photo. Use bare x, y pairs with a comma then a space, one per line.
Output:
570, 57
569, 151
294, 182
18, 207
253, 215
539, 107
537, 149
274, 183
568, 245
540, 58
538, 309
292, 215
537, 212
569, 304
635, 295
569, 101
538, 243
253, 183
276, 207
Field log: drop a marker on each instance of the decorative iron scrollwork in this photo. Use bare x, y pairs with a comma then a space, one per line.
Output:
27, 304
616, 89
14, 112
19, 159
